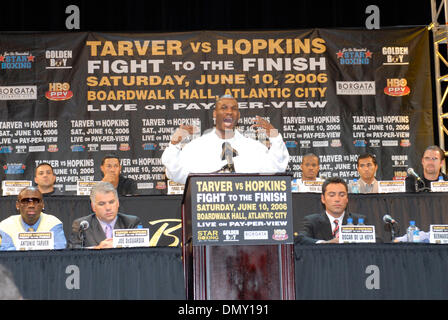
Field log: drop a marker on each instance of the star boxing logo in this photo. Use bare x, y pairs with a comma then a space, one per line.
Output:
58, 91
397, 87
354, 56
16, 60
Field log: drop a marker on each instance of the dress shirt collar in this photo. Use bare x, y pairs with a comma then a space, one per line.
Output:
104, 224
340, 219
26, 226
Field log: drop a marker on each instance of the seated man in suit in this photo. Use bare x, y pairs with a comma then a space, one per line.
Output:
324, 227
30, 204
104, 202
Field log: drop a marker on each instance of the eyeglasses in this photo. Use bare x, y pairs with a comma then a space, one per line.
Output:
430, 158
26, 201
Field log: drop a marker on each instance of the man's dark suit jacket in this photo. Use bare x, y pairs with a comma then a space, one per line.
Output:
318, 227
95, 234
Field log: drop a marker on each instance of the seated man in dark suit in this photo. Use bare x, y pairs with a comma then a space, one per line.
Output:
104, 202
324, 227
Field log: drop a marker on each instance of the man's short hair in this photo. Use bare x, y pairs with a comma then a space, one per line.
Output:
102, 187
30, 188
225, 96
367, 155
311, 155
333, 180
110, 156
436, 148
43, 164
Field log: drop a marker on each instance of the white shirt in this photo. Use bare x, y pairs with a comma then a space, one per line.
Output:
203, 155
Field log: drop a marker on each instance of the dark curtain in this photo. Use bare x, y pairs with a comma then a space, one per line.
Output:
170, 15
124, 274
405, 271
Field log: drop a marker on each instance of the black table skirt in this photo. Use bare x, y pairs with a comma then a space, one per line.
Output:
403, 271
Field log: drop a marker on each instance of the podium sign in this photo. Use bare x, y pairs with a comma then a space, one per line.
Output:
234, 210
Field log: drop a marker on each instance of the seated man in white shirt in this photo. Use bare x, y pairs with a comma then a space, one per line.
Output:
205, 154
310, 170
367, 168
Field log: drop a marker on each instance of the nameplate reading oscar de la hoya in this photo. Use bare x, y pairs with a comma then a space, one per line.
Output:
439, 186
438, 233
357, 234
237, 210
35, 240
83, 188
126, 238
13, 187
391, 186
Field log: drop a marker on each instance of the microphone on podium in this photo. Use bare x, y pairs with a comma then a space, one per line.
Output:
227, 154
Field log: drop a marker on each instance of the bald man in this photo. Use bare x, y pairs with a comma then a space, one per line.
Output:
205, 154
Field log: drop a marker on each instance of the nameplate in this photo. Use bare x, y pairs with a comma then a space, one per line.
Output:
13, 187
439, 186
306, 186
35, 240
83, 188
175, 188
438, 233
357, 234
126, 238
311, 186
391, 186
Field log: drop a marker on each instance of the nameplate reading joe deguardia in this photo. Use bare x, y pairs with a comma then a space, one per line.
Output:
242, 210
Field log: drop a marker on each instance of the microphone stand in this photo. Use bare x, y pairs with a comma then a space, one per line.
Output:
393, 232
422, 189
82, 236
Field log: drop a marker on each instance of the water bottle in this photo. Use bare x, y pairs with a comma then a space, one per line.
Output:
416, 236
360, 221
349, 221
440, 178
355, 186
413, 231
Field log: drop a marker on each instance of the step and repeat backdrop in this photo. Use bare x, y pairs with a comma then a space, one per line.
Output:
70, 98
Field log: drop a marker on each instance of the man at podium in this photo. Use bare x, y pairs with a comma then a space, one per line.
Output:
224, 149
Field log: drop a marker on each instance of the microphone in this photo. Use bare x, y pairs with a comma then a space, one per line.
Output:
84, 225
413, 173
388, 219
228, 153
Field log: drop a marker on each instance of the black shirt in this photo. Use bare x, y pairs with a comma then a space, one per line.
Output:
126, 186
424, 183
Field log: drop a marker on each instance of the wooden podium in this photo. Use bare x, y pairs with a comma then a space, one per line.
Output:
234, 271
